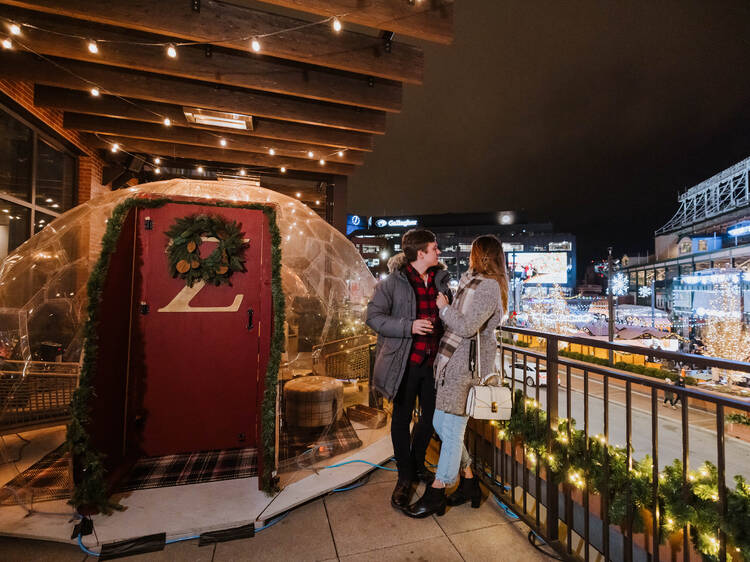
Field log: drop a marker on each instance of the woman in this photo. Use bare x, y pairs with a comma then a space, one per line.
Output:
479, 305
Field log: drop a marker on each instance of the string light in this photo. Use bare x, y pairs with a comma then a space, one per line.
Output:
171, 51
242, 171
93, 47
255, 45
200, 169
283, 170
157, 170
310, 154
95, 92
297, 195
157, 160
222, 142
271, 151
7, 43
15, 29
317, 202
115, 147
322, 162
167, 122
341, 153
336, 25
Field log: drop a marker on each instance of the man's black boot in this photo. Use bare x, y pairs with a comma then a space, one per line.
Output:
433, 501
468, 489
402, 494
424, 474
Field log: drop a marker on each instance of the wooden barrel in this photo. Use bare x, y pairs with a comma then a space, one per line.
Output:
313, 401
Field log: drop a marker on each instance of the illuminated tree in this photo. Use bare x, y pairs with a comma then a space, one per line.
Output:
551, 314
725, 335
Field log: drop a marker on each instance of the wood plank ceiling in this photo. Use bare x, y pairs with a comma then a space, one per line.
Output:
317, 96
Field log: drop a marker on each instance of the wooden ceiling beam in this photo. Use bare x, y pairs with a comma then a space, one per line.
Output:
200, 137
152, 112
50, 36
152, 87
431, 20
232, 26
202, 154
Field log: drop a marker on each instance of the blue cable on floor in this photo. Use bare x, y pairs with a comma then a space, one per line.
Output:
363, 462
86, 550
273, 522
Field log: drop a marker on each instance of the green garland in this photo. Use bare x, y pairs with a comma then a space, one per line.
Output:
91, 490
183, 251
696, 505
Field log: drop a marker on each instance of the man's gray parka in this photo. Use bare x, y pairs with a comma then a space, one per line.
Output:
390, 314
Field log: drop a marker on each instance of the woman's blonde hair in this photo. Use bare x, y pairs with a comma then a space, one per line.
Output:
487, 258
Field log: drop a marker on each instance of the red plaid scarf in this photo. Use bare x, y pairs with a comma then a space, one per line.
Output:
424, 347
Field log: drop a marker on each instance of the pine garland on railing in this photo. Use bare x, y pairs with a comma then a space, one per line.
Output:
696, 503
91, 489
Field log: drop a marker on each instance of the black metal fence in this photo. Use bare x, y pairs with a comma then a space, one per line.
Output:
565, 510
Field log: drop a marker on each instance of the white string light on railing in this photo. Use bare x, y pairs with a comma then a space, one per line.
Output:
336, 23
95, 92
242, 171
271, 151
171, 51
223, 142
283, 170
255, 45
15, 29
93, 47
167, 122
115, 147
310, 154
322, 162
200, 169
157, 171
157, 160
7, 43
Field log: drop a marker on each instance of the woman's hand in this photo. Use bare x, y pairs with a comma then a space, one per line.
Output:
441, 301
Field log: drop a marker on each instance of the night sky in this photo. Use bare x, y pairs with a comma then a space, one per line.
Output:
592, 115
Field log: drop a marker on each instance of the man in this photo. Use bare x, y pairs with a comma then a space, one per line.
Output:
404, 314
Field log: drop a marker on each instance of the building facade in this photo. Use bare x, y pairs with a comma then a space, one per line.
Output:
539, 257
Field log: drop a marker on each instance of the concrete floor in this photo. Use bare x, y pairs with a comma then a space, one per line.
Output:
354, 525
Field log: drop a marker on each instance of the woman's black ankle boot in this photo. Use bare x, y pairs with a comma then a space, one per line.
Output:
468, 489
433, 501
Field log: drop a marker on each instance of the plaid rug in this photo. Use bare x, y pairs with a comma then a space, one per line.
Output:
340, 438
50, 478
191, 468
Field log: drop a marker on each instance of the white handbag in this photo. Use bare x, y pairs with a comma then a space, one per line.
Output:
488, 400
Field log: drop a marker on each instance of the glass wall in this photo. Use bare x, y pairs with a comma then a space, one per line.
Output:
37, 180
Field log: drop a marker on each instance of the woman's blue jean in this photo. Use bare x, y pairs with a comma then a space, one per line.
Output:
453, 453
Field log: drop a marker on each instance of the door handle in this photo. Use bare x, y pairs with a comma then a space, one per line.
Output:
249, 319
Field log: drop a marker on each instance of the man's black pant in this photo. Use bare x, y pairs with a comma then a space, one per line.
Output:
417, 382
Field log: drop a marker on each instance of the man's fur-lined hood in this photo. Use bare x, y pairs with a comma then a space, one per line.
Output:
399, 260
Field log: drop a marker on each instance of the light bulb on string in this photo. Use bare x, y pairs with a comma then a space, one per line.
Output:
222, 142
298, 195
310, 154
255, 45
167, 122
271, 151
157, 160
95, 92
200, 169
336, 24
242, 171
7, 43
341, 153
322, 162
157, 171
93, 47
317, 202
15, 29
115, 147
283, 170
171, 51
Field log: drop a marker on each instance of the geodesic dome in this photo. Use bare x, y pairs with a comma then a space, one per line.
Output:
326, 286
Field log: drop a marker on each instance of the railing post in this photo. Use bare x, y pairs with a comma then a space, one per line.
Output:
553, 507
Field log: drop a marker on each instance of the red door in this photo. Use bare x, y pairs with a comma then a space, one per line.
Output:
200, 371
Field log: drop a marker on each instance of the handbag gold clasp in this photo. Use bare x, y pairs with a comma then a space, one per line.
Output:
494, 407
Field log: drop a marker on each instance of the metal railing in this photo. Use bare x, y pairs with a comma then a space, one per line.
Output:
35, 394
509, 474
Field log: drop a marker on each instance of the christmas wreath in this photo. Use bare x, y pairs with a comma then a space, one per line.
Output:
183, 251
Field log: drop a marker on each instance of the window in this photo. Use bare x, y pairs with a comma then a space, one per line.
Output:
558, 246
702, 245
686, 246
37, 181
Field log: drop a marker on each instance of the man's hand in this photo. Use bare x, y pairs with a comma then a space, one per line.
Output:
421, 327
441, 301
